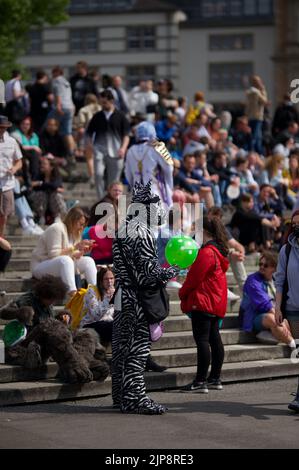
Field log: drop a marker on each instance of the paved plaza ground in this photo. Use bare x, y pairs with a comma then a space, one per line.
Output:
247, 415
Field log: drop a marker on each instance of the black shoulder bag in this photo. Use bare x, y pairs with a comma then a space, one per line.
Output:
154, 300
285, 288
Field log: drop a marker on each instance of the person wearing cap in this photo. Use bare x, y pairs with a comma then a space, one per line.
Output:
149, 160
10, 163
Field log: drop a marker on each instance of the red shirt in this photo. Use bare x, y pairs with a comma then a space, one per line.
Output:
205, 287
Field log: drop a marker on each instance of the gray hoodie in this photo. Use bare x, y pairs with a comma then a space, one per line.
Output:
293, 274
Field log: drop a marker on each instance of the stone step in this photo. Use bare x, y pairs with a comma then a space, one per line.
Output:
233, 353
181, 323
184, 339
15, 281
18, 264
174, 323
175, 309
53, 390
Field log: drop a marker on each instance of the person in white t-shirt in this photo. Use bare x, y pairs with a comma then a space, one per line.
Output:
13, 88
10, 163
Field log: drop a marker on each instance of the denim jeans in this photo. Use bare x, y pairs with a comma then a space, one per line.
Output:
257, 136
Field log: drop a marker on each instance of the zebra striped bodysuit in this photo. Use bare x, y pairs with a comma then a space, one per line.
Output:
131, 339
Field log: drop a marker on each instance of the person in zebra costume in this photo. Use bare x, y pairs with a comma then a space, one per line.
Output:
135, 252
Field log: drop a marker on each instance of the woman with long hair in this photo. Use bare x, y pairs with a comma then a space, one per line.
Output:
98, 313
273, 174
286, 283
59, 251
204, 299
292, 176
29, 143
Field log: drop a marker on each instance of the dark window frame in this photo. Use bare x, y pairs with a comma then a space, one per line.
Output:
233, 38
33, 42
141, 38
83, 40
216, 9
229, 79
90, 6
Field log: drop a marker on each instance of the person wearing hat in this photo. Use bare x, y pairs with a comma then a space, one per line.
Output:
10, 163
148, 160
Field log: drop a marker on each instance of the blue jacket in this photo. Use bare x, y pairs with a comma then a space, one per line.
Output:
255, 301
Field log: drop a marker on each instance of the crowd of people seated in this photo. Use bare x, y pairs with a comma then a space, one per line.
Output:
243, 168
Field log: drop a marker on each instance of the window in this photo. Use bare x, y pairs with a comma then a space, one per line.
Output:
231, 42
249, 8
135, 73
236, 8
141, 37
97, 5
35, 42
264, 7
83, 40
229, 76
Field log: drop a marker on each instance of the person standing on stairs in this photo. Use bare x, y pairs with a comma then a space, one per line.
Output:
10, 163
236, 256
287, 292
136, 268
204, 299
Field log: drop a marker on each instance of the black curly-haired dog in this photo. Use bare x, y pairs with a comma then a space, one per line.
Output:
80, 356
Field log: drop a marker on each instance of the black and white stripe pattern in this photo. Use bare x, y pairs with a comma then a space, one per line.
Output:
131, 340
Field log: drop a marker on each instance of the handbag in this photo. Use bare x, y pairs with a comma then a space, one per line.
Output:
154, 300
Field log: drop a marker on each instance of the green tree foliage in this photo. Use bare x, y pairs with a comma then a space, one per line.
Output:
17, 18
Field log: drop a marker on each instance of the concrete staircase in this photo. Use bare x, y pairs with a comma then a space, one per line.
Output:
245, 359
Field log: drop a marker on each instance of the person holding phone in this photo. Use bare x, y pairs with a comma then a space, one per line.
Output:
60, 251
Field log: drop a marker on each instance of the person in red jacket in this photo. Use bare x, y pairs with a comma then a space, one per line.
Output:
204, 298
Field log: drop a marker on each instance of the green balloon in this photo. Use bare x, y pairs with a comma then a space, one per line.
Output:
181, 251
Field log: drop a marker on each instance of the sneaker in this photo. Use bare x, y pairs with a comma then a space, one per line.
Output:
232, 296
294, 406
199, 387
173, 285
215, 384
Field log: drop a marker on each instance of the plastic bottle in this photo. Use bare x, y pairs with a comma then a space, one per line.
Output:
2, 352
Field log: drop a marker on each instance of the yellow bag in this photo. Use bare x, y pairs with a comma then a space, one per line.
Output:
75, 306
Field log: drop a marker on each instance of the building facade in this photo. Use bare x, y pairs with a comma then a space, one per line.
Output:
286, 56
208, 45
134, 39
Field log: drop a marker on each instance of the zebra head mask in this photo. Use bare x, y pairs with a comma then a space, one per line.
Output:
147, 204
